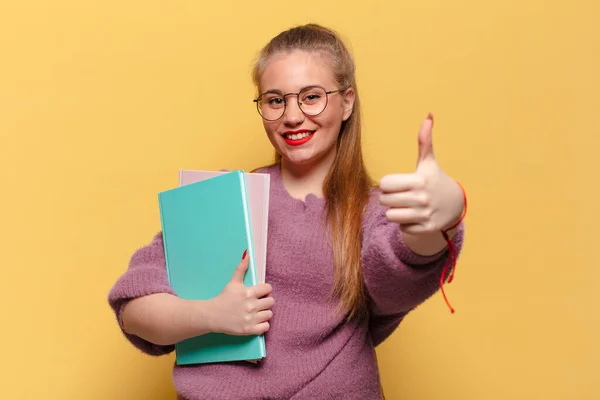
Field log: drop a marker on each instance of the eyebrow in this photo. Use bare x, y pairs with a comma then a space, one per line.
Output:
277, 91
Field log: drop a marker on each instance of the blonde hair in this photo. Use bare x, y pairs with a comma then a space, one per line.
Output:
348, 183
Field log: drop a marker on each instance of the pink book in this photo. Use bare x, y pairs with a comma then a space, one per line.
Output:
257, 186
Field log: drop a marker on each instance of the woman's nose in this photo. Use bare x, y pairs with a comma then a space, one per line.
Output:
293, 115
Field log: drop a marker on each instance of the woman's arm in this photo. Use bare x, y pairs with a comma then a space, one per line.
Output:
429, 243
164, 319
397, 278
153, 318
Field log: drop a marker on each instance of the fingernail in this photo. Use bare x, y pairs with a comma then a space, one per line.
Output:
244, 255
430, 117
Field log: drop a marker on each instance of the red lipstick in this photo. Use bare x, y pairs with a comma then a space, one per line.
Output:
297, 142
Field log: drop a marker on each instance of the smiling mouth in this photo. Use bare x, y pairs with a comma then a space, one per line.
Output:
297, 139
298, 136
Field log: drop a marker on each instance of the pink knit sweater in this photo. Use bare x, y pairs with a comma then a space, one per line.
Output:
311, 352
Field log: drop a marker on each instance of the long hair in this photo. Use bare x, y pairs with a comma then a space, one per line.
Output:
347, 185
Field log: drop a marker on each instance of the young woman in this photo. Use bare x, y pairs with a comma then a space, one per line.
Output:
346, 261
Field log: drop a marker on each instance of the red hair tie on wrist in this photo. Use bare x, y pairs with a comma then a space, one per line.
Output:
452, 256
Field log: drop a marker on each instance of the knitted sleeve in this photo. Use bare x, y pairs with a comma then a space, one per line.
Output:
397, 279
145, 275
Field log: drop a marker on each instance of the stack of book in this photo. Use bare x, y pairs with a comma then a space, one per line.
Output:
208, 221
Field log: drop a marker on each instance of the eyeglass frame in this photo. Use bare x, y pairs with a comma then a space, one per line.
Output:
327, 93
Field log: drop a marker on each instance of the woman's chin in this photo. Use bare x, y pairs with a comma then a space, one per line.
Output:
298, 157
306, 160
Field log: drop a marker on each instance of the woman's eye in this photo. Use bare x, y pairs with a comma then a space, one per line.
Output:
311, 98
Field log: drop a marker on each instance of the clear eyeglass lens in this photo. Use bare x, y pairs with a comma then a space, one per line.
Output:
312, 101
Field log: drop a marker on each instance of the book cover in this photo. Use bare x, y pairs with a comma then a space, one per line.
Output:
257, 188
206, 229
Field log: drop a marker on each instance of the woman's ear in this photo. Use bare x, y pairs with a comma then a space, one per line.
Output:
348, 103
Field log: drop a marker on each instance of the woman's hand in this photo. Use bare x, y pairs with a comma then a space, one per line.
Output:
241, 310
427, 200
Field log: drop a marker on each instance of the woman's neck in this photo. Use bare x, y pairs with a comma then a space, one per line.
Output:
302, 180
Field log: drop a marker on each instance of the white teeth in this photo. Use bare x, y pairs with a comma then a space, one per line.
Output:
298, 136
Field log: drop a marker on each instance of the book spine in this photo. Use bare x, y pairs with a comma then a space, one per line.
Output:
252, 266
266, 225
164, 236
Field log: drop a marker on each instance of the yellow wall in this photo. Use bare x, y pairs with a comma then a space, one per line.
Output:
102, 102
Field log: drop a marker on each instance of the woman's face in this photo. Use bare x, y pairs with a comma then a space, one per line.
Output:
303, 139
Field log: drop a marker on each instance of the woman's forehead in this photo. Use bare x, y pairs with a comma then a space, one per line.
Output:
290, 72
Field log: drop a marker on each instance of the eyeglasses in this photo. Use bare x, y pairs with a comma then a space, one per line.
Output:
312, 101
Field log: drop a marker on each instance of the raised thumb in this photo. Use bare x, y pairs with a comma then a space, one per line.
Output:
240, 270
425, 140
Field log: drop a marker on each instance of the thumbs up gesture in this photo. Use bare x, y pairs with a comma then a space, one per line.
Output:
426, 200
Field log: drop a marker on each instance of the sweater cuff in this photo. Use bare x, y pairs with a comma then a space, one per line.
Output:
415, 260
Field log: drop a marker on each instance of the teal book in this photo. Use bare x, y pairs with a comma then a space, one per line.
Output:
206, 229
